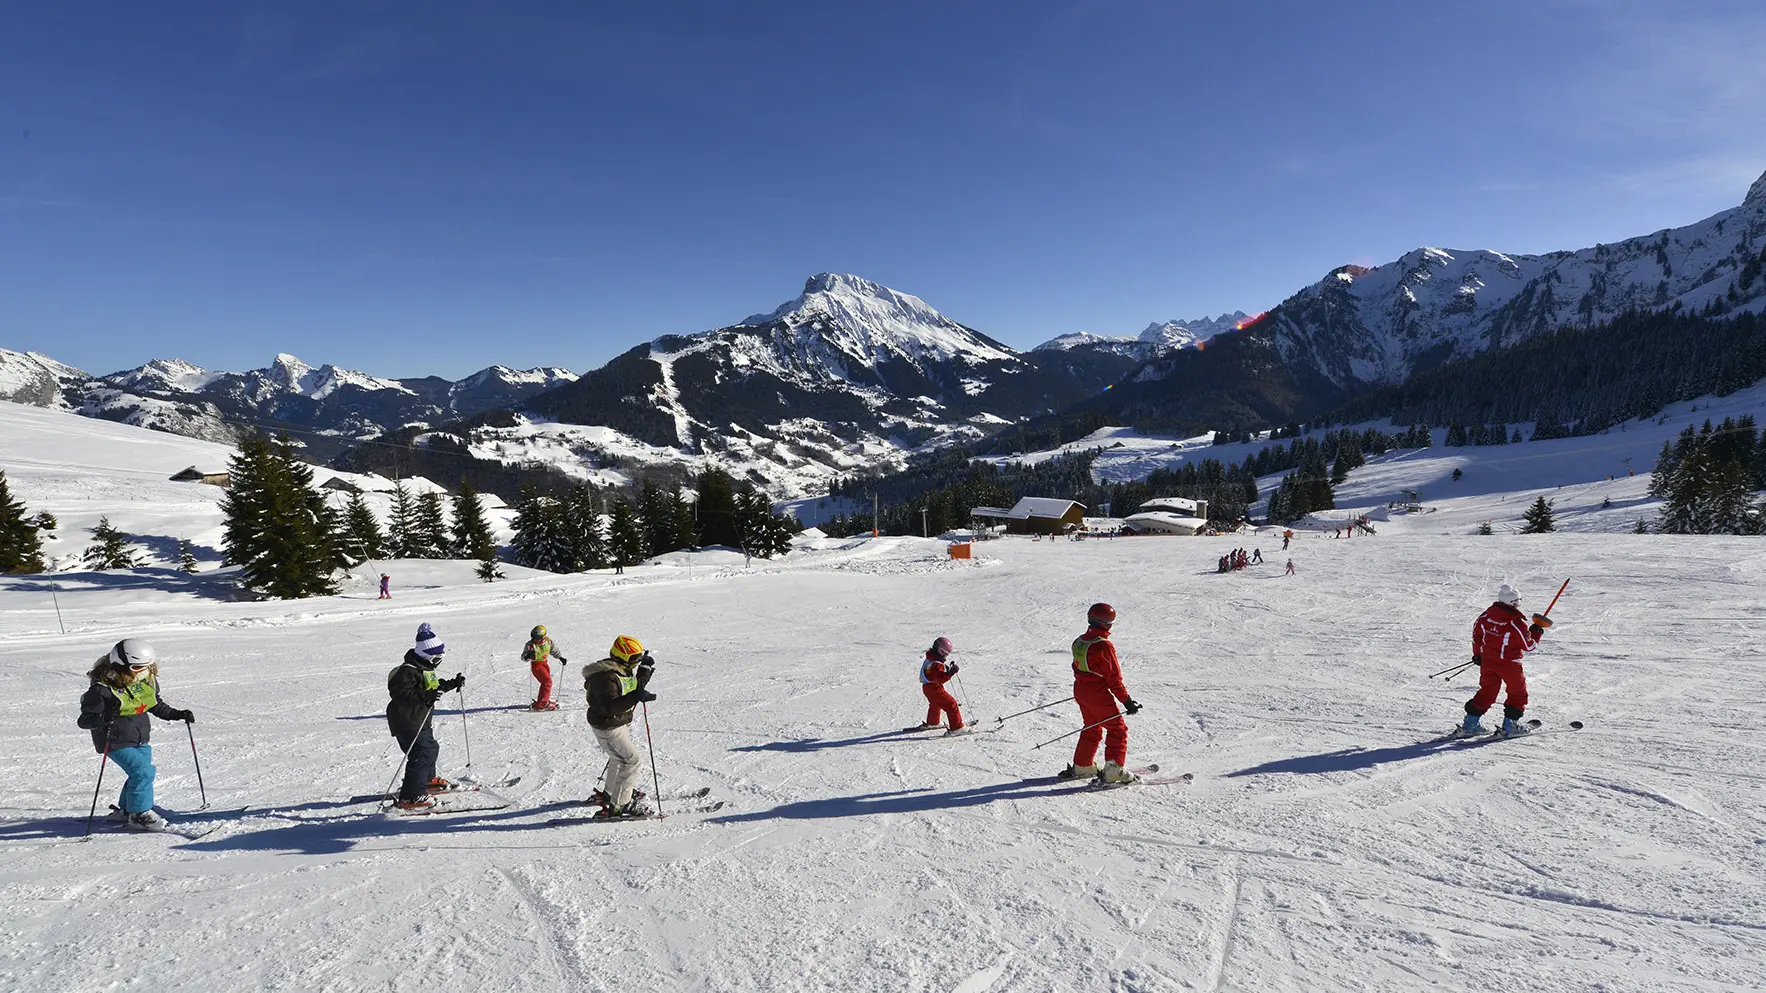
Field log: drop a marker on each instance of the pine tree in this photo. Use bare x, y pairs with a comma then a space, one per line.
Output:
1485, 528
763, 533
1538, 517
428, 534
626, 535
399, 525
1641, 528
365, 538
278, 528
588, 540
686, 524
109, 549
186, 558
488, 569
21, 549
472, 534
717, 509
657, 512
532, 528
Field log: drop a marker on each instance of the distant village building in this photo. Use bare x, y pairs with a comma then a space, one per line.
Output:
195, 475
1036, 515
1169, 515
340, 484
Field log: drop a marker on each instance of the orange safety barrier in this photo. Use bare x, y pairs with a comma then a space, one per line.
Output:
960, 551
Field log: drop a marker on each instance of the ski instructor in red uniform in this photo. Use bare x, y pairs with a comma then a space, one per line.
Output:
1097, 686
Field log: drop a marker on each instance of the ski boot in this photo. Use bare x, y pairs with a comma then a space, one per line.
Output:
421, 803
1115, 775
1512, 728
1470, 728
148, 820
548, 705
953, 732
599, 798
630, 811
924, 727
1078, 772
438, 785
117, 815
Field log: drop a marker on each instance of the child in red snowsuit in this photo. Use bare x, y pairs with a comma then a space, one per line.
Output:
1097, 686
1500, 638
936, 670
539, 653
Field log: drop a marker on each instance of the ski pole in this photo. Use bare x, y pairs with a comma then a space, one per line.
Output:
649, 742
1459, 670
1544, 620
405, 756
57, 601
1451, 671
962, 689
464, 729
1032, 710
1082, 730
198, 763
102, 762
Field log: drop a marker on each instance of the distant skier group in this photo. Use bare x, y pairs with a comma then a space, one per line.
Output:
124, 690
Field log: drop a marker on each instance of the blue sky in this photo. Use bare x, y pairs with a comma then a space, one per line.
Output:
429, 188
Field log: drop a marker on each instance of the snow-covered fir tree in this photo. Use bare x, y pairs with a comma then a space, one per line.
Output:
21, 547
186, 558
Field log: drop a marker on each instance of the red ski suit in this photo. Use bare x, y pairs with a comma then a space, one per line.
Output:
539, 656
1501, 637
1097, 685
933, 675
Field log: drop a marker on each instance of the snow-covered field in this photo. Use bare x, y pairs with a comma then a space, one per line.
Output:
1326, 842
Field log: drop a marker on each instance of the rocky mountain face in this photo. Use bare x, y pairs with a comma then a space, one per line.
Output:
1372, 326
847, 363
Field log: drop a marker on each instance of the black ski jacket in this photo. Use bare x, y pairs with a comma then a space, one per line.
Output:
100, 710
414, 689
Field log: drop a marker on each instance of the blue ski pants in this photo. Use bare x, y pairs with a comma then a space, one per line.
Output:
137, 761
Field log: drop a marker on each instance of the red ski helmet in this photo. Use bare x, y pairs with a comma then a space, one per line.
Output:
942, 648
1101, 614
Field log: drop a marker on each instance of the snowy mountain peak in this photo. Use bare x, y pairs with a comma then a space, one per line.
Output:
164, 376
867, 320
1756, 193
1178, 334
547, 376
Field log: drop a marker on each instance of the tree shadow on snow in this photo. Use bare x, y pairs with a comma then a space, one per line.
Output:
903, 802
1344, 759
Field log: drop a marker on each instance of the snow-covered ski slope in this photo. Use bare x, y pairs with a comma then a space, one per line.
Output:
1325, 843
1496, 484
81, 469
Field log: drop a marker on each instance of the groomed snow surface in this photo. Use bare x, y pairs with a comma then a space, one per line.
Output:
1325, 844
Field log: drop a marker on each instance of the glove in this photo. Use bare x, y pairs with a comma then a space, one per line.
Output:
1536, 631
1131, 706
952, 668
641, 696
1477, 660
185, 716
450, 685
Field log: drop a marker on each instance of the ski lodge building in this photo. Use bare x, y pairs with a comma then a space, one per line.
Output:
1169, 515
1035, 515
195, 475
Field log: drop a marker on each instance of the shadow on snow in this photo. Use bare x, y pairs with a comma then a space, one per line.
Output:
1345, 759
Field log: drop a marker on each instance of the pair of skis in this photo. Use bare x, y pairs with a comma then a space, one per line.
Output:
1525, 729
699, 794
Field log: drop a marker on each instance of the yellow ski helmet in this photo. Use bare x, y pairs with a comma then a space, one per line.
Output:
538, 632
625, 648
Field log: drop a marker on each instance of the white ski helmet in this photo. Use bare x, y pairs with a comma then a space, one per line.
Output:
133, 653
1506, 594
